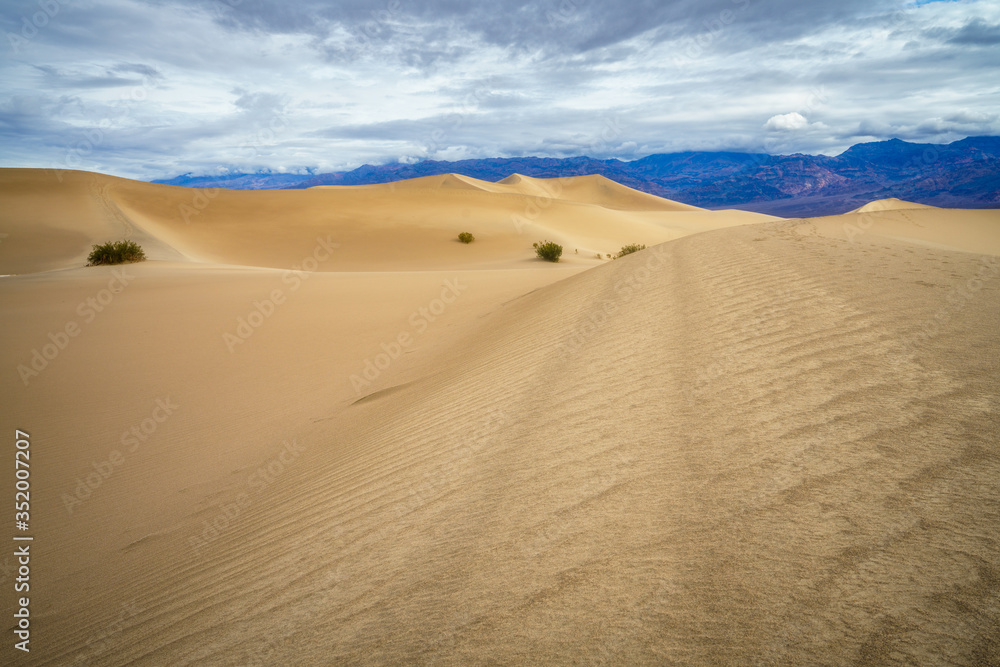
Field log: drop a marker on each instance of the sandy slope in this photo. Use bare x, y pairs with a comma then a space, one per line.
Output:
950, 229
891, 204
410, 225
773, 443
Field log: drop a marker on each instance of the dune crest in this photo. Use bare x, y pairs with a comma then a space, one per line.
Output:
443, 181
409, 225
972, 231
891, 204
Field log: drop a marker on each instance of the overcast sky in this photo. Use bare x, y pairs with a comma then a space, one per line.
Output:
156, 88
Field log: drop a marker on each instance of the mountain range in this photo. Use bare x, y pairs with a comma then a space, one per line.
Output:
962, 174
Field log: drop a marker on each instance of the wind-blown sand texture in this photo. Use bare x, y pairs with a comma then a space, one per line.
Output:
758, 441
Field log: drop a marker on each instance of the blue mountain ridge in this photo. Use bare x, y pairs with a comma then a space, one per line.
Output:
962, 174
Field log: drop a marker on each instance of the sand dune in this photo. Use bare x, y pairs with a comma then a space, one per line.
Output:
410, 225
972, 231
891, 204
440, 182
770, 443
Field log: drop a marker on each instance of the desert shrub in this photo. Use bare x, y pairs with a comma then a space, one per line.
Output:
548, 250
466, 237
116, 252
629, 249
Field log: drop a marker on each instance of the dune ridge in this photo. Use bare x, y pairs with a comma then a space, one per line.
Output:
410, 225
973, 231
891, 204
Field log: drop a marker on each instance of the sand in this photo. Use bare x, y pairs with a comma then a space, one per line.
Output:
358, 441
407, 226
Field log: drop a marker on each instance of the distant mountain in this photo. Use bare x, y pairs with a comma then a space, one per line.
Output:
258, 181
963, 174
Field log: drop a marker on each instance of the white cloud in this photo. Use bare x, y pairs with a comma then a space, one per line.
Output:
966, 117
787, 122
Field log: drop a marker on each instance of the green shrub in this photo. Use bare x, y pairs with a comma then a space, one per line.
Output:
116, 252
548, 250
466, 237
629, 249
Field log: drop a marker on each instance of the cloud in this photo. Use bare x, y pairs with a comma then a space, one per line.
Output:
175, 86
977, 33
108, 78
138, 68
788, 122
967, 117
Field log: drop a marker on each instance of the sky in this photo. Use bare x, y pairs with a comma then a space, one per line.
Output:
155, 88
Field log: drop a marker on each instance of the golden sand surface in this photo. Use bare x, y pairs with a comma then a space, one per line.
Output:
314, 428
